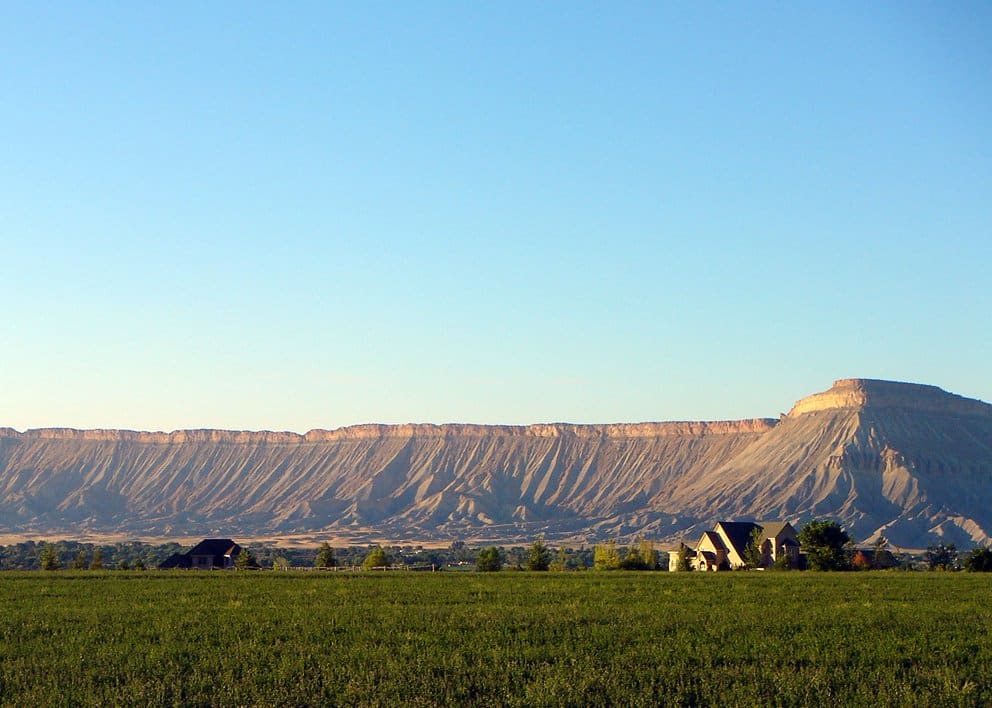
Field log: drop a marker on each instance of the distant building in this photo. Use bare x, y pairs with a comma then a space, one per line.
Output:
208, 554
723, 548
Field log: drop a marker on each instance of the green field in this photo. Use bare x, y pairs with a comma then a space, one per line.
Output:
503, 638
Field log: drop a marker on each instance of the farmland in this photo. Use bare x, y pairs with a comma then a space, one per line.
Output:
504, 638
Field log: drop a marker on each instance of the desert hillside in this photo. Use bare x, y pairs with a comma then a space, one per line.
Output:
910, 461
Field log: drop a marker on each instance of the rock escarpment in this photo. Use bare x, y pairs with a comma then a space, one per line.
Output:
910, 461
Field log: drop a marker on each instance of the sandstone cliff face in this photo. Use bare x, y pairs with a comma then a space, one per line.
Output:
909, 461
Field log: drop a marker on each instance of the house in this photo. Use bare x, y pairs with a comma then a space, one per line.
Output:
725, 547
673, 557
779, 539
208, 554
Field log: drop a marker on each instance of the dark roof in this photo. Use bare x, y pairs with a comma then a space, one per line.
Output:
215, 547
176, 560
738, 533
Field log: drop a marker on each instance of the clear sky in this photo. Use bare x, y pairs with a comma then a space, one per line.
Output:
295, 216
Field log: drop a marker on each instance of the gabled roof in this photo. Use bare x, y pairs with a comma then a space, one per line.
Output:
714, 538
738, 533
771, 529
214, 547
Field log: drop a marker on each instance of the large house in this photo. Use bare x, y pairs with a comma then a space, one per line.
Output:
207, 554
725, 547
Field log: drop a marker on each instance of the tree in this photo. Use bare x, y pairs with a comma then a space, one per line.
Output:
824, 542
325, 556
124, 565
606, 556
49, 558
979, 560
561, 560
245, 560
753, 558
489, 560
639, 557
942, 556
96, 562
539, 557
682, 563
376, 558
139, 564
79, 563
645, 549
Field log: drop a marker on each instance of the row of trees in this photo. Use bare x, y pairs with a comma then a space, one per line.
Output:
606, 556
825, 545
49, 559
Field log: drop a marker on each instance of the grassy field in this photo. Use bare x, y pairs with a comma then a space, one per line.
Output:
499, 639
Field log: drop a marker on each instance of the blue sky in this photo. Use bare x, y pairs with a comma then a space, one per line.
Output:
243, 216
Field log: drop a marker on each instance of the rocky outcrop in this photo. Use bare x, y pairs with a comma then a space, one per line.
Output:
910, 461
872, 393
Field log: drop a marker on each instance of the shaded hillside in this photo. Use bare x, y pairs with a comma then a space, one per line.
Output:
910, 461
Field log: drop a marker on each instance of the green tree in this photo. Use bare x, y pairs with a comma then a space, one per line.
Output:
96, 562
561, 560
245, 560
979, 560
376, 558
605, 556
139, 564
325, 556
648, 554
49, 558
489, 560
682, 563
632, 560
942, 556
824, 543
753, 558
79, 563
539, 557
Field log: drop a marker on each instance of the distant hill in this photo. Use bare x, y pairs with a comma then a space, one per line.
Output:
910, 461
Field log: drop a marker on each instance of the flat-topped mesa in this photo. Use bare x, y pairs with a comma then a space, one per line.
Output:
548, 430
420, 430
874, 393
